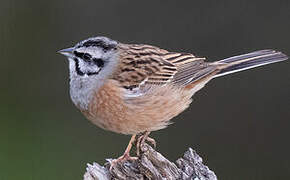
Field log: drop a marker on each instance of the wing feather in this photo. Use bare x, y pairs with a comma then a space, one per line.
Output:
142, 65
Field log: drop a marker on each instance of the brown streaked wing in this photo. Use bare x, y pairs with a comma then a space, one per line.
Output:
143, 64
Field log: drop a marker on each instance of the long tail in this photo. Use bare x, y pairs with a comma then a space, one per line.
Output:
248, 61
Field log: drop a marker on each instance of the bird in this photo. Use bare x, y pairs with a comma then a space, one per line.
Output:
135, 89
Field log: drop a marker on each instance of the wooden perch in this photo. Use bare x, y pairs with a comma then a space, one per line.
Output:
153, 165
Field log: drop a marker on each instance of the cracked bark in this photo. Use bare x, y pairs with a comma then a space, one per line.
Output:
153, 165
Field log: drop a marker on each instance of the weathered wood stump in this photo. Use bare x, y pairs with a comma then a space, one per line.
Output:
153, 165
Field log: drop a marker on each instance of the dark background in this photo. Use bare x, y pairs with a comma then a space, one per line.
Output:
239, 124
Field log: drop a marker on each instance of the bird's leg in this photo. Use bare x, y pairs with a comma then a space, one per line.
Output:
126, 155
141, 140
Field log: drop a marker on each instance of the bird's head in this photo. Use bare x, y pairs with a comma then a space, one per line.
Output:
91, 56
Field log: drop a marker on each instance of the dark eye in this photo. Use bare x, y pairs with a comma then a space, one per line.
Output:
99, 62
86, 56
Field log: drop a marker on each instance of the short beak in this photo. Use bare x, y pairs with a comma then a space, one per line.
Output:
66, 52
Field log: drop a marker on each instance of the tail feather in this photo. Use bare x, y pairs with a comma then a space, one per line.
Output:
248, 61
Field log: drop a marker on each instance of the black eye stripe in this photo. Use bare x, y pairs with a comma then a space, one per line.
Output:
84, 56
87, 57
81, 73
99, 62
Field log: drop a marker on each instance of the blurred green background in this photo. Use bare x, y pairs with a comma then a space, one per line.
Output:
239, 124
